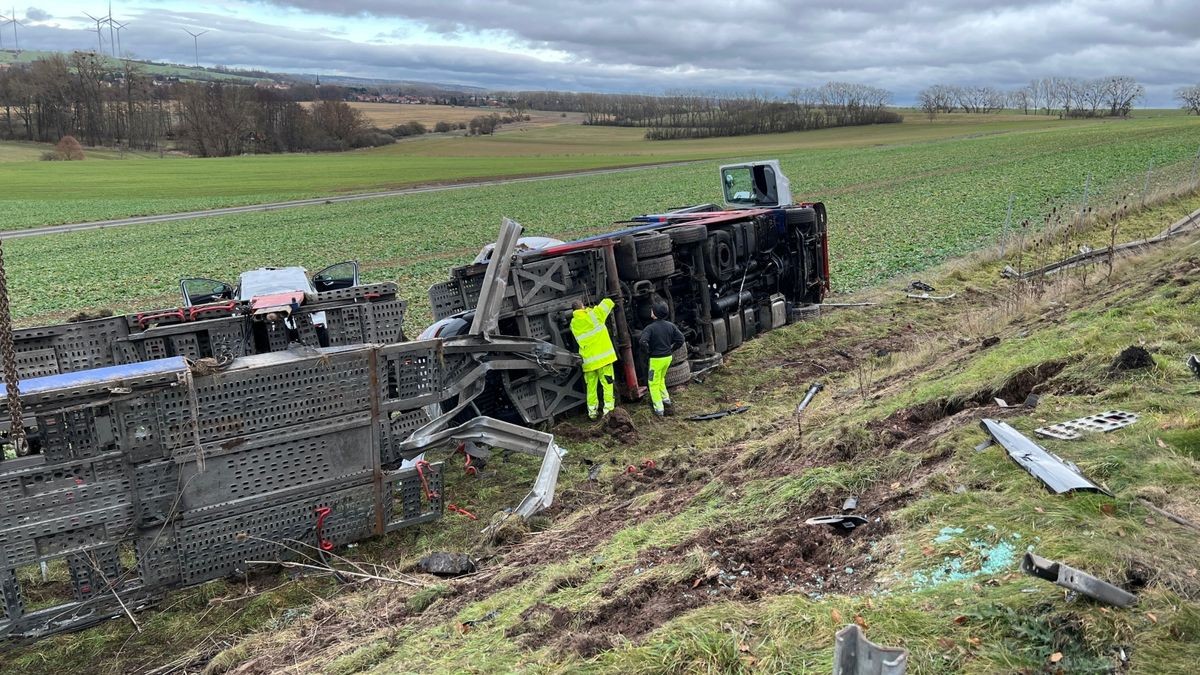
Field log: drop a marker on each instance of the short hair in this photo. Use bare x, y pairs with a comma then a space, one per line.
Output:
661, 309
577, 304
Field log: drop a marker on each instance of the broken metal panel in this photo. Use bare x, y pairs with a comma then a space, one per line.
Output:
1075, 580
495, 280
854, 654
495, 433
1100, 422
1059, 476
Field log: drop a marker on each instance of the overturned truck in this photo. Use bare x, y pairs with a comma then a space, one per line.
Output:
168, 448
727, 275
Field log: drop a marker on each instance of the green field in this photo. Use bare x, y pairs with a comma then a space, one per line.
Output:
152, 68
894, 208
48, 193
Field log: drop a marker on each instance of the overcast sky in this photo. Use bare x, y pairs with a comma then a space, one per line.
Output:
655, 46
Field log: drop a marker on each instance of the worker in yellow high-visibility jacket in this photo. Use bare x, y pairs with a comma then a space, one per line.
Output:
596, 350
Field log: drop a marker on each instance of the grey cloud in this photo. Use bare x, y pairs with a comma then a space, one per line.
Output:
35, 14
647, 45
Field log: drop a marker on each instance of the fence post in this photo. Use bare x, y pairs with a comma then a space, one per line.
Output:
1007, 223
1195, 162
1146, 186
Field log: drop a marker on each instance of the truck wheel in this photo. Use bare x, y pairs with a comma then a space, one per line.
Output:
688, 234
626, 256
719, 255
651, 244
680, 373
656, 268
801, 216
803, 313
679, 355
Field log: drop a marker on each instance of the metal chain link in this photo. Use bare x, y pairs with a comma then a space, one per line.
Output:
12, 379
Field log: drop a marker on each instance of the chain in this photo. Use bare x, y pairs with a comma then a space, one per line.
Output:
12, 380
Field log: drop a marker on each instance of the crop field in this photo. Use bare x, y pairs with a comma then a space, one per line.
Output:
893, 209
49, 193
391, 114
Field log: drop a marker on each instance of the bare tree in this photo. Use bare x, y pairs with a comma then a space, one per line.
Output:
1190, 98
936, 99
1022, 99
1121, 92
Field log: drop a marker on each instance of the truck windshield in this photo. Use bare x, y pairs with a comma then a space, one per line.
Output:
267, 281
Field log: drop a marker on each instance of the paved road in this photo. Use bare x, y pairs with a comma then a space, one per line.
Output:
317, 201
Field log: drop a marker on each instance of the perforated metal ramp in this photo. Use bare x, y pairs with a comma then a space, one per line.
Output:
1098, 423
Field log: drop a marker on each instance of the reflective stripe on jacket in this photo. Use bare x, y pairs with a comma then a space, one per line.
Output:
595, 346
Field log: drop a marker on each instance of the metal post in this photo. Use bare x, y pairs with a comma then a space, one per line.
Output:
1007, 224
624, 338
12, 381
1195, 163
1087, 185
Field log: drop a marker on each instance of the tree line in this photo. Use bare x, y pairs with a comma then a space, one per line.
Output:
82, 97
1112, 96
710, 115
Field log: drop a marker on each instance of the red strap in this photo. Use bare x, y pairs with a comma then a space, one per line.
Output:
322, 513
429, 494
460, 510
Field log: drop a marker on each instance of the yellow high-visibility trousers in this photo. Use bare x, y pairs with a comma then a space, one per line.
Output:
602, 376
658, 382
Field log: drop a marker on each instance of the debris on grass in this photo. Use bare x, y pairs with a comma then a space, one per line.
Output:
447, 564
1075, 580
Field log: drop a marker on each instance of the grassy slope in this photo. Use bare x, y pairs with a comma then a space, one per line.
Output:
621, 577
41, 193
893, 208
169, 69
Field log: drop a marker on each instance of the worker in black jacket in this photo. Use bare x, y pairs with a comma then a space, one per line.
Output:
659, 340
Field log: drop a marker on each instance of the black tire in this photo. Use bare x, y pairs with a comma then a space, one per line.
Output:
656, 268
719, 255
626, 256
705, 364
688, 234
679, 355
801, 216
804, 313
651, 244
679, 373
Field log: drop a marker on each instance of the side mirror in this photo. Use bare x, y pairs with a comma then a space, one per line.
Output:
334, 277
204, 291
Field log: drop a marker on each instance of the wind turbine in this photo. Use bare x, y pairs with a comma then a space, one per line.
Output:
120, 27
99, 35
111, 44
3, 22
13, 20
196, 43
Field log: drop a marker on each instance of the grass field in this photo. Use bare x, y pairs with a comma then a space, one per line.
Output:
893, 208
165, 69
390, 114
44, 193
706, 564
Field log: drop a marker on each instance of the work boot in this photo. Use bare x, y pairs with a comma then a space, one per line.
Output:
669, 408
593, 415
658, 413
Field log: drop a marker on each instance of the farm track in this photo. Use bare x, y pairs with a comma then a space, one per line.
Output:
317, 201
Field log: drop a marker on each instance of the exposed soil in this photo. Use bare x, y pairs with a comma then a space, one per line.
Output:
617, 425
1132, 358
